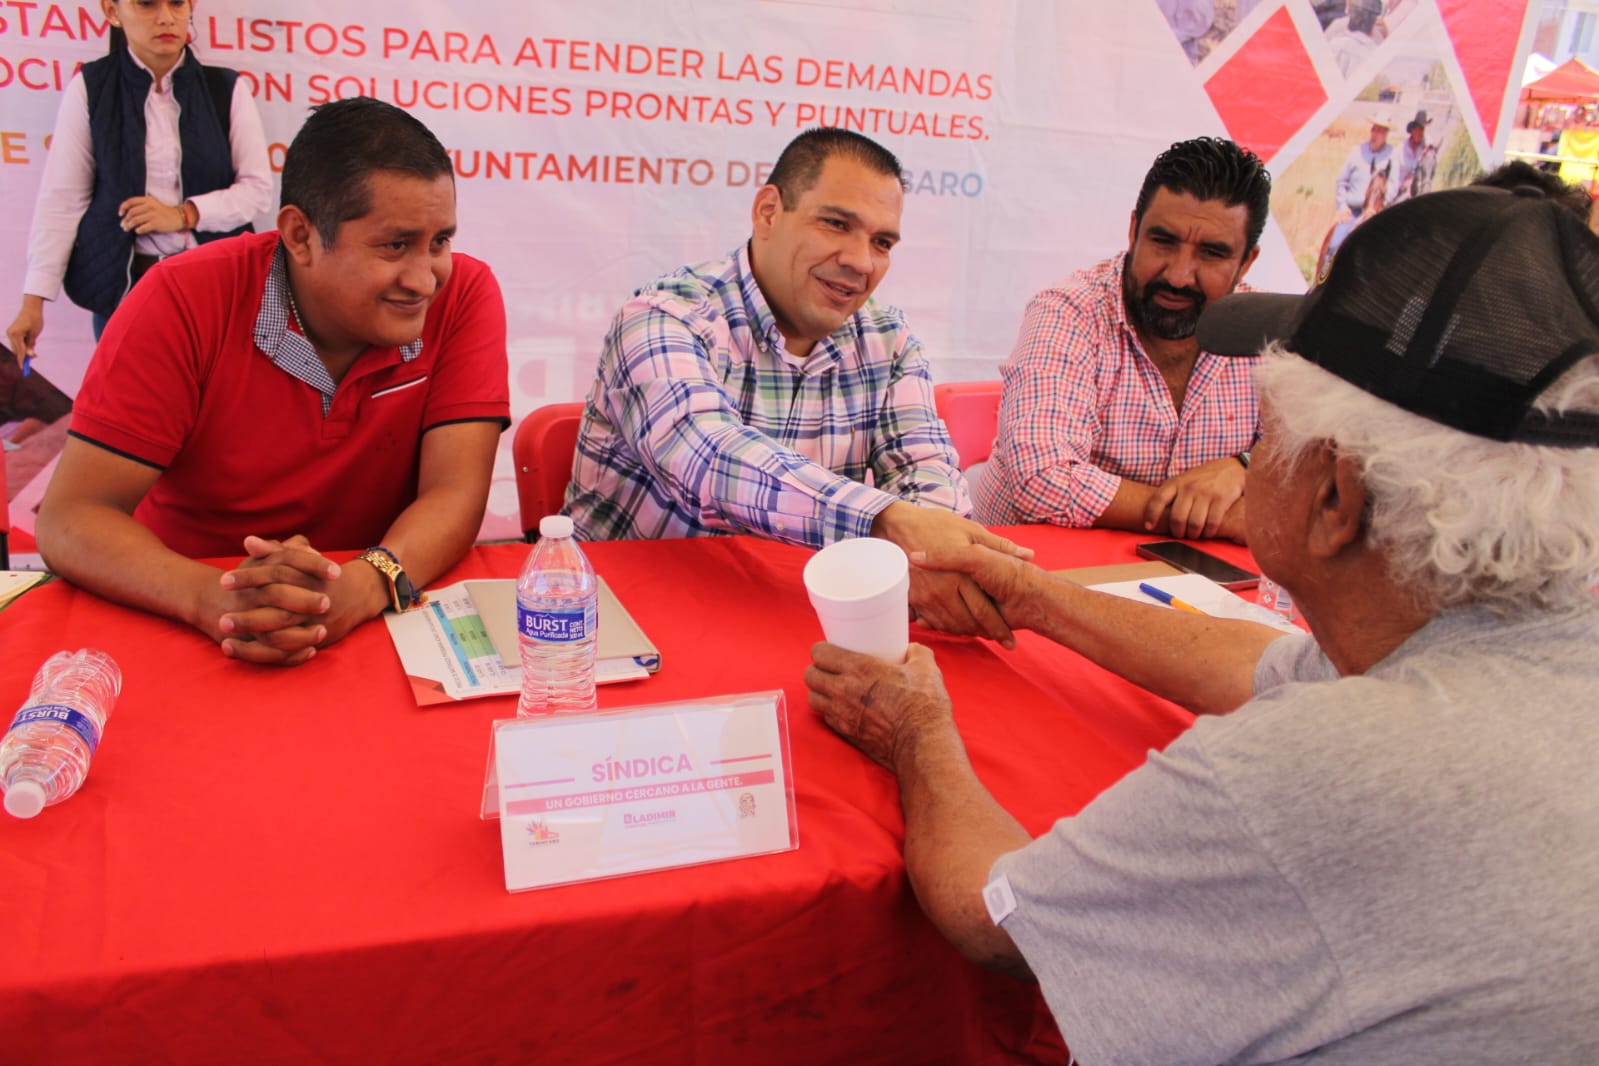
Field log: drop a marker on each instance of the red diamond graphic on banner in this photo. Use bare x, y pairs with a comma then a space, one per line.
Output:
1485, 38
1268, 89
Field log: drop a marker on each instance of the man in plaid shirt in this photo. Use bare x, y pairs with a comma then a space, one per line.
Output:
767, 393
1111, 415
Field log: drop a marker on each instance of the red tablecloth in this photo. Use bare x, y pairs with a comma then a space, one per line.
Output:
274, 865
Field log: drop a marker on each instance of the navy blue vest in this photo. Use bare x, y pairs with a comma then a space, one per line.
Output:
98, 269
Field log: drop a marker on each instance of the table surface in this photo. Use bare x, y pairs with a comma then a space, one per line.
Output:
281, 865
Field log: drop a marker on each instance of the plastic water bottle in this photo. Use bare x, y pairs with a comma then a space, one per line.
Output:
45, 754
1275, 598
557, 614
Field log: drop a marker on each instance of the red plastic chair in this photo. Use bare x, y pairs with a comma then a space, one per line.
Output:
542, 451
970, 410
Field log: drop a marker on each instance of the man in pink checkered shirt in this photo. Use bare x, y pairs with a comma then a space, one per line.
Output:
1111, 415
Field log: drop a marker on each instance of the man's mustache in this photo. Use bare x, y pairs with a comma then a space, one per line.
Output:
1158, 286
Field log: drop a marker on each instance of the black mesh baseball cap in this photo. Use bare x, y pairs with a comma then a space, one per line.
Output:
1460, 306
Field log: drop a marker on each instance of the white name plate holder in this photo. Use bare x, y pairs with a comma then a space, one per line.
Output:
589, 796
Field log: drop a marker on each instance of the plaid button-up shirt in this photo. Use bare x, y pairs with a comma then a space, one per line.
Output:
699, 423
1084, 406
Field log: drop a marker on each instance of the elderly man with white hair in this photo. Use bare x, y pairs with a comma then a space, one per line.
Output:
1380, 841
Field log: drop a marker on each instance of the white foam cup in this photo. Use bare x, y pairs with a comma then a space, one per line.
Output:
860, 589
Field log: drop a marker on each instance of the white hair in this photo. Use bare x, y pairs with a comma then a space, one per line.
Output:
1460, 518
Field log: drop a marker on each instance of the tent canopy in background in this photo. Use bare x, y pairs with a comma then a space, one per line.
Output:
1572, 81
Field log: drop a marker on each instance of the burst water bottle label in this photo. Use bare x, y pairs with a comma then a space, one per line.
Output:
74, 720
557, 627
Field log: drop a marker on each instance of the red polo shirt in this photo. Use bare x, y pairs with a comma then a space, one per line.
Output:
179, 382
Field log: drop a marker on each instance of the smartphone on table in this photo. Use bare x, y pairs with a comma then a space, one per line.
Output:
1193, 560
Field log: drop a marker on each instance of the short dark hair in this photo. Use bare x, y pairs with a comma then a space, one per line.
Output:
326, 167
801, 163
1518, 174
1210, 168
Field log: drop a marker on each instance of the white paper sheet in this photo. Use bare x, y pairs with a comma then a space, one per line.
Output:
1203, 593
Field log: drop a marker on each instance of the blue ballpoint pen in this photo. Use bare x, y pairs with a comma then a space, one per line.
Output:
1165, 597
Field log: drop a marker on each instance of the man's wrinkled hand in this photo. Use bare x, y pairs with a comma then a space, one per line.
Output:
878, 706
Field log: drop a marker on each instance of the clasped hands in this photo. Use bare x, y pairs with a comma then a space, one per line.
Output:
285, 600
1205, 501
946, 601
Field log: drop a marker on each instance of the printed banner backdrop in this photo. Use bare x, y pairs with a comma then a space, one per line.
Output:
600, 144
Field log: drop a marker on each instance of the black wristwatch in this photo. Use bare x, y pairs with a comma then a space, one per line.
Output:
403, 595
1243, 457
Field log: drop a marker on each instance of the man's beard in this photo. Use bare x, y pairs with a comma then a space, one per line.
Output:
1164, 322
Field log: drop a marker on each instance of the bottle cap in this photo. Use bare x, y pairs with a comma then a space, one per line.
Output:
25, 798
556, 526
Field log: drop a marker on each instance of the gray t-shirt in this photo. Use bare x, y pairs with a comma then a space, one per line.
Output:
1398, 867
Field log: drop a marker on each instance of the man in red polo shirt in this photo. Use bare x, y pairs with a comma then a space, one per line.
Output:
338, 384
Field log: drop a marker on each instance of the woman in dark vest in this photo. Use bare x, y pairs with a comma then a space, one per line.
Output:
152, 153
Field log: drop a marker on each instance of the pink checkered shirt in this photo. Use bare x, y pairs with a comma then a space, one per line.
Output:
1084, 407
